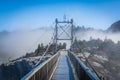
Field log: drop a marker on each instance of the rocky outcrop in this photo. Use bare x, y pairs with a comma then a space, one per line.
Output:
17, 69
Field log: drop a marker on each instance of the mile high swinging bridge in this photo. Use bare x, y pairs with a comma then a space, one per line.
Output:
64, 64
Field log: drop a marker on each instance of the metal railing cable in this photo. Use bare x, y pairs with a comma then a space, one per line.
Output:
85, 57
50, 43
72, 44
94, 70
43, 70
40, 37
81, 70
88, 62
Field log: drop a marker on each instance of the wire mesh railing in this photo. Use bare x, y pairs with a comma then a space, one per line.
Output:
43, 71
82, 71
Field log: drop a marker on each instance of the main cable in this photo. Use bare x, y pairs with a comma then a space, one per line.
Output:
87, 60
50, 43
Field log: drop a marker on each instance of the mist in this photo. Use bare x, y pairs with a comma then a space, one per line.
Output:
18, 43
98, 34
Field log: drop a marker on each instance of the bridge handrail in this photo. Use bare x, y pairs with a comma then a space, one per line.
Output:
83, 72
48, 64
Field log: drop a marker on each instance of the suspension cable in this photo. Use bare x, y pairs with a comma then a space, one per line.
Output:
86, 57
50, 43
41, 36
36, 41
88, 61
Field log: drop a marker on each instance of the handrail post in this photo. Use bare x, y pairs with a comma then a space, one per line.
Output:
47, 71
34, 77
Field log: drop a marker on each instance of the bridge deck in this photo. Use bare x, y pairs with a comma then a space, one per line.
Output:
63, 70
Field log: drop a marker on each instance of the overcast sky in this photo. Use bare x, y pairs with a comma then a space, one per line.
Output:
32, 14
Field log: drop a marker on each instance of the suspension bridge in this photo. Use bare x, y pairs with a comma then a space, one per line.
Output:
64, 64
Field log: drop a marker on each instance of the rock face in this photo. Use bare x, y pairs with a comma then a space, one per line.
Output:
115, 27
14, 71
17, 69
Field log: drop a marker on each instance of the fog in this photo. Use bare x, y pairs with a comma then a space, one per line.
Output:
18, 43
98, 34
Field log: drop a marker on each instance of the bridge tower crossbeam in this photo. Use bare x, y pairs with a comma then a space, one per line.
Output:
69, 35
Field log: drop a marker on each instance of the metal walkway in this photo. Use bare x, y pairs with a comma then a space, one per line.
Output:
58, 67
63, 70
